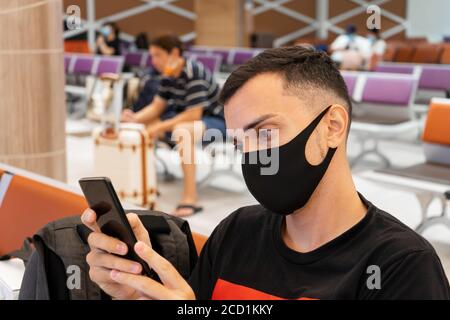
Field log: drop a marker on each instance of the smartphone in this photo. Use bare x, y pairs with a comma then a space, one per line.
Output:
111, 218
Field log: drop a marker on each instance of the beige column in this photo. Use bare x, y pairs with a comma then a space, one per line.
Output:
221, 23
32, 101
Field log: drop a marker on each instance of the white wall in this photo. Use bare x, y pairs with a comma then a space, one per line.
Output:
429, 18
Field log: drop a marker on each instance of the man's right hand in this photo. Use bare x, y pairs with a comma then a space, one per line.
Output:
121, 278
105, 256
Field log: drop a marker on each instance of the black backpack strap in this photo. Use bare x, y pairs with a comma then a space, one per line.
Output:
185, 228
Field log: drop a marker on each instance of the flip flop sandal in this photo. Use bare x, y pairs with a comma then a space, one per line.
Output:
194, 209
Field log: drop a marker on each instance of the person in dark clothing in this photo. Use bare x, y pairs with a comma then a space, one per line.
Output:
186, 105
312, 235
149, 91
108, 42
142, 42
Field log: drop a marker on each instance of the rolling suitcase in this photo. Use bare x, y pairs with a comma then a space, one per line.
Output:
127, 156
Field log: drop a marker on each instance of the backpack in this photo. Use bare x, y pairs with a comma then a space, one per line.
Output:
56, 268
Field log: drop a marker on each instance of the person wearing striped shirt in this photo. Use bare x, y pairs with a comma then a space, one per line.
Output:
185, 106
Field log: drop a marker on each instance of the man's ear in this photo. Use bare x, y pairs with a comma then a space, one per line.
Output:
338, 121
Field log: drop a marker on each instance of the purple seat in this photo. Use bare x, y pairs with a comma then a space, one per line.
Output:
350, 82
435, 78
134, 59
109, 65
403, 69
388, 91
241, 57
199, 51
211, 62
83, 65
67, 60
225, 54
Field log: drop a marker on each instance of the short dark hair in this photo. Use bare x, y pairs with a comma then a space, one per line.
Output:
299, 67
168, 42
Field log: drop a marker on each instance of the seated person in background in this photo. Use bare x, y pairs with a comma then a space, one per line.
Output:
141, 42
186, 102
108, 42
350, 50
313, 236
377, 48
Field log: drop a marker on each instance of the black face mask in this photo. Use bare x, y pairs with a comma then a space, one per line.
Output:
294, 180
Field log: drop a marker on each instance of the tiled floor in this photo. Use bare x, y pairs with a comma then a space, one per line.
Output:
224, 195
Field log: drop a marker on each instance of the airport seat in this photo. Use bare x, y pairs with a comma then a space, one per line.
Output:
241, 56
436, 136
199, 241
435, 77
28, 204
109, 65
224, 53
395, 68
390, 52
76, 46
29, 201
427, 54
83, 65
430, 179
67, 60
445, 56
212, 62
350, 82
404, 54
135, 58
382, 109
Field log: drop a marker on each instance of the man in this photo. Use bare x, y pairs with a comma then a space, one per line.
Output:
350, 50
314, 236
186, 104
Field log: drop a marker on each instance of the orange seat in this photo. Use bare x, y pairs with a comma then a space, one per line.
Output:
28, 205
437, 128
445, 55
77, 46
390, 52
404, 54
199, 241
426, 53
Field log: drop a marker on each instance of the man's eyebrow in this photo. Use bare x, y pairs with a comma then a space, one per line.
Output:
258, 121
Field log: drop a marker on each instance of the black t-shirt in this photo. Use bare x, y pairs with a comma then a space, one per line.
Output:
115, 44
378, 258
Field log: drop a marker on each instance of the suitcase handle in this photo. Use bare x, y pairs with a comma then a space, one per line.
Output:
109, 133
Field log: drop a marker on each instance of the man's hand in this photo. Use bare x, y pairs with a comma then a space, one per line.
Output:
121, 278
100, 41
173, 286
155, 130
128, 116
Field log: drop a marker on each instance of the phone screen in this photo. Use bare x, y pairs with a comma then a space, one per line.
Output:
111, 217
